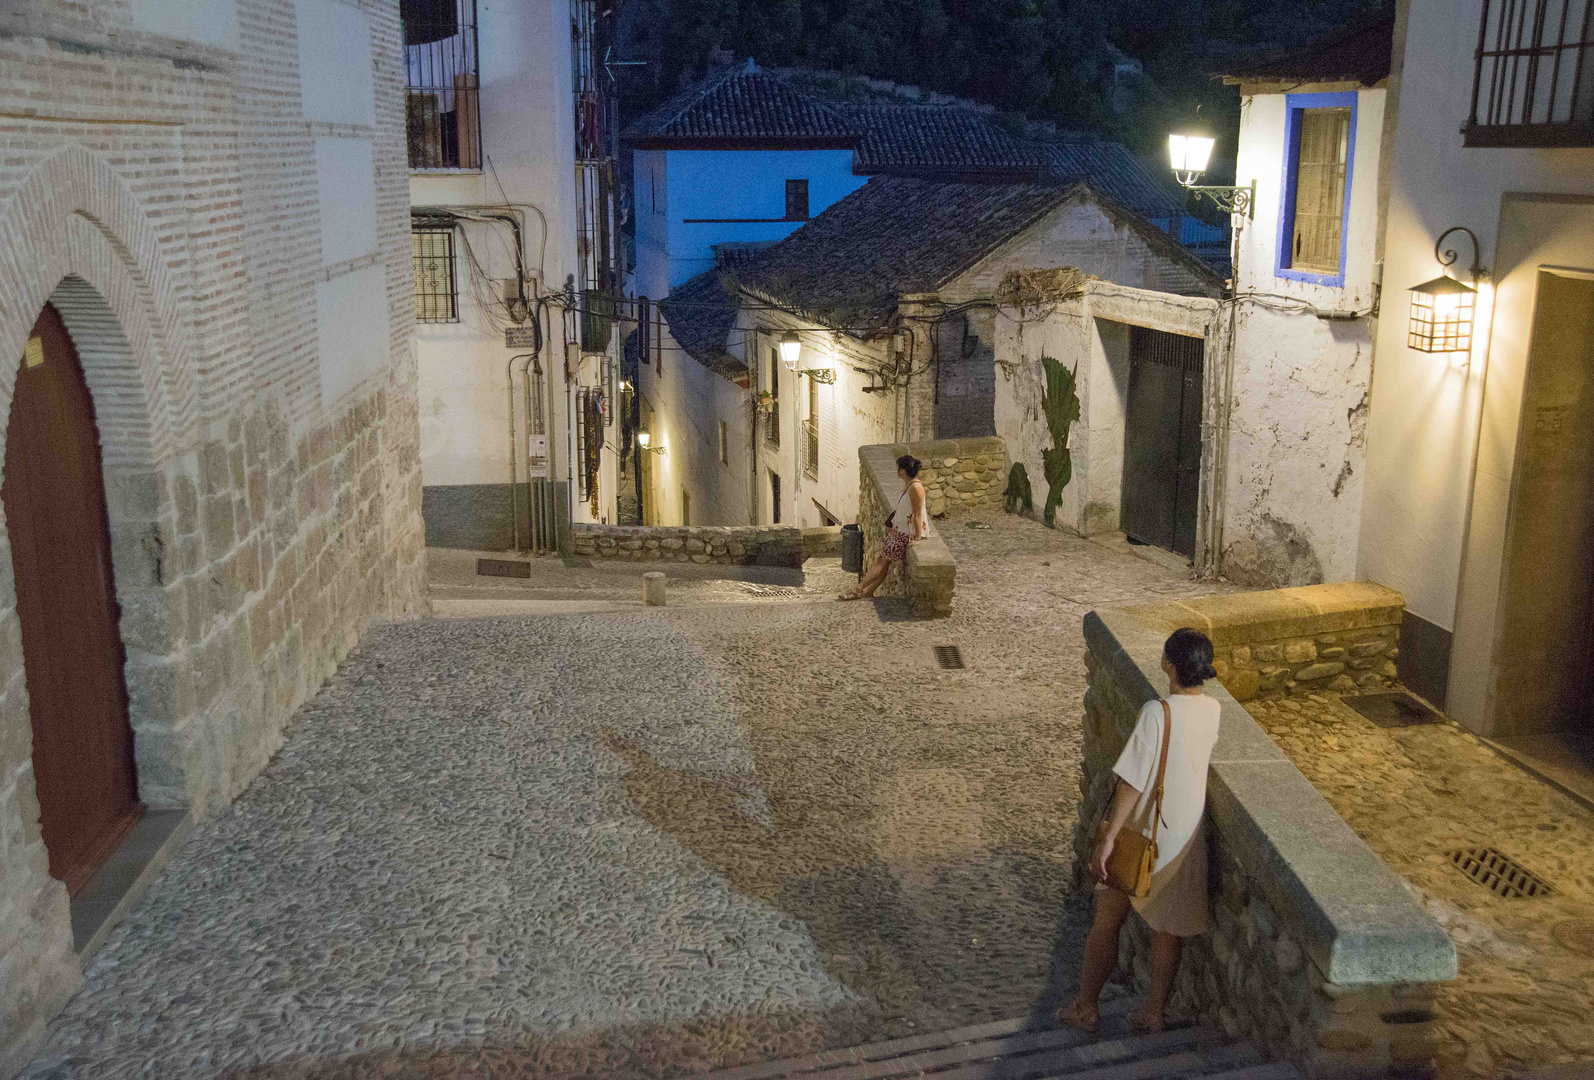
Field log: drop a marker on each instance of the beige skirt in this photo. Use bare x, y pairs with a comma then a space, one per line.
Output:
1177, 903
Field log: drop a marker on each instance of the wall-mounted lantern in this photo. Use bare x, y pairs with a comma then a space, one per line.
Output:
791, 349
1442, 310
645, 441
1189, 153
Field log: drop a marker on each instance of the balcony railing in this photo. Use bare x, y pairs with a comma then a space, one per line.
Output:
442, 91
811, 448
1534, 81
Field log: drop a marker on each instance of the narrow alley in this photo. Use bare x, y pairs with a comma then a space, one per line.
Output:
634, 842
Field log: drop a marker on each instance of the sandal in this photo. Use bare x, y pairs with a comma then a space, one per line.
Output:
1081, 1017
1142, 1023
852, 594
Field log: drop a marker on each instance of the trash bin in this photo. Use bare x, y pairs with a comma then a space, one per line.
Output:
852, 549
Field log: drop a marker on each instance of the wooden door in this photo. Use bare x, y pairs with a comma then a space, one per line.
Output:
1162, 440
54, 496
1545, 637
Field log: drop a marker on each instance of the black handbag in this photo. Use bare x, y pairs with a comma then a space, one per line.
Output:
890, 518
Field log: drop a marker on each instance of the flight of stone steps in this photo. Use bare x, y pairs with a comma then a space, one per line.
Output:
1017, 1050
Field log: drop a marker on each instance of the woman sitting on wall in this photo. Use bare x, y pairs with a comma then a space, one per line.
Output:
1175, 905
905, 526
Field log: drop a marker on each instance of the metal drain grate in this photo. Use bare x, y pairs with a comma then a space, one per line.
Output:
770, 592
1500, 874
502, 568
1396, 710
949, 657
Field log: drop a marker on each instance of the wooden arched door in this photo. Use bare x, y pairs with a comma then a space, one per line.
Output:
54, 496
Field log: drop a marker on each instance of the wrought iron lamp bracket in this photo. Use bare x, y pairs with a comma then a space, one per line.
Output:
820, 375
1234, 200
1447, 257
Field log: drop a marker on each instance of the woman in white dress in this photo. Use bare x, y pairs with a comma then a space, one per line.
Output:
1176, 907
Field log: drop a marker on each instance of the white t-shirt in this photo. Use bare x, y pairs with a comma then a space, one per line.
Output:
1184, 787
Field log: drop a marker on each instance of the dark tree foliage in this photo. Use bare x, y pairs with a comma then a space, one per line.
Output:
1046, 60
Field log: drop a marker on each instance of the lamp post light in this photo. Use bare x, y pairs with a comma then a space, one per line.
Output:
645, 439
1442, 310
791, 349
1189, 153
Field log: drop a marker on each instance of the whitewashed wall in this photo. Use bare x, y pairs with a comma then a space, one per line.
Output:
1297, 447
1427, 410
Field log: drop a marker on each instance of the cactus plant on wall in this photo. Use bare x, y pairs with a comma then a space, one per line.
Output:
1061, 406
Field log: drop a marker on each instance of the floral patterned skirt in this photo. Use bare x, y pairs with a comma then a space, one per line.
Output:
895, 548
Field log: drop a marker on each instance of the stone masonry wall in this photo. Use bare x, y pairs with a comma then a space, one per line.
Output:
162, 194
1317, 952
962, 474
746, 545
1343, 637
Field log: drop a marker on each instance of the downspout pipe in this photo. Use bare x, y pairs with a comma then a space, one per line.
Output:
514, 485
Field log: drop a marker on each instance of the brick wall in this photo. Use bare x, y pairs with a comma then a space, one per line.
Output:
163, 195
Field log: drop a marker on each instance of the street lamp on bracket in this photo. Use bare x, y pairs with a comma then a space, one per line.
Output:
1189, 153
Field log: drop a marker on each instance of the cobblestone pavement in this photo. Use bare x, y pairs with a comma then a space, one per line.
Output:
634, 843
1523, 1000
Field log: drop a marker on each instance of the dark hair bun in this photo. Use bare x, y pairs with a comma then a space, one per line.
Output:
910, 465
1190, 653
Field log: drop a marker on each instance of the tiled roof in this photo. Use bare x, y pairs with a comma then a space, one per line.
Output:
895, 235
847, 266
1109, 168
937, 139
701, 315
1357, 53
742, 103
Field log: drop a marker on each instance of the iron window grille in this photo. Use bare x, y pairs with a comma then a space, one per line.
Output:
811, 448
1534, 80
442, 84
436, 292
772, 416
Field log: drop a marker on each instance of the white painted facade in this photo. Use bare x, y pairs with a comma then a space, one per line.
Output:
528, 173
1443, 430
1294, 462
686, 201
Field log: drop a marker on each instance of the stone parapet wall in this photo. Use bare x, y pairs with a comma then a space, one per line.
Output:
928, 576
1342, 637
961, 474
1318, 952
740, 545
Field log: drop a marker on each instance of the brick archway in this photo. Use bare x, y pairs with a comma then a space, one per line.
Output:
75, 236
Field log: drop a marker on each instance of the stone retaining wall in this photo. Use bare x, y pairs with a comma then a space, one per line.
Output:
1318, 952
961, 474
929, 574
745, 545
1342, 637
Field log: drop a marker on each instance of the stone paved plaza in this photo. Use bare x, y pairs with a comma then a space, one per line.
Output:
634, 842
1525, 996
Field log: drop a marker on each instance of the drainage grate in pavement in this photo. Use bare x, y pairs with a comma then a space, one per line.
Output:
949, 657
1500, 874
502, 568
771, 592
1395, 710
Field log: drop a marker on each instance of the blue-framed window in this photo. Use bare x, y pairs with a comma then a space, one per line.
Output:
1319, 161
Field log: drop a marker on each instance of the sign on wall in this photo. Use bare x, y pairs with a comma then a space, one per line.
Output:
520, 337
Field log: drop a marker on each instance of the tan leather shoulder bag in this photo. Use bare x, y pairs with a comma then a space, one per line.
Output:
1133, 853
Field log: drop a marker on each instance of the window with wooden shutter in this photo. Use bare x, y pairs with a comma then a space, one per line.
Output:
1322, 151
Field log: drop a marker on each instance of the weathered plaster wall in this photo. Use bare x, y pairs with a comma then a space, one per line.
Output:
261, 458
1298, 413
1084, 325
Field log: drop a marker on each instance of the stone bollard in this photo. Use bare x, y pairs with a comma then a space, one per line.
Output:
653, 589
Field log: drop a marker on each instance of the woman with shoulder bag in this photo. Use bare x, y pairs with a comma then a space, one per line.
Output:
1158, 864
905, 526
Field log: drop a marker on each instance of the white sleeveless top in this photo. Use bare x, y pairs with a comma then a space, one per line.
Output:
903, 521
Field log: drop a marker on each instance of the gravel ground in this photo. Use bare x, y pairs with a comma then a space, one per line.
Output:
1415, 794
634, 843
